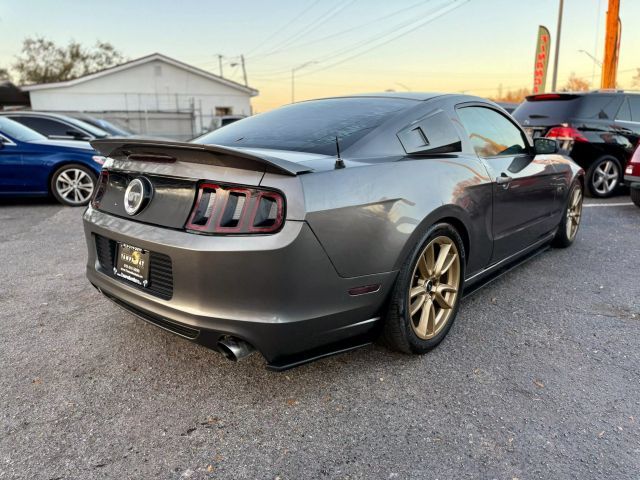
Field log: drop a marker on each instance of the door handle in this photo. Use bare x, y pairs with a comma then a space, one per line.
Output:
504, 180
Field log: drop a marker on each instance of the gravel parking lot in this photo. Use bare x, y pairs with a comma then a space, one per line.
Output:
539, 378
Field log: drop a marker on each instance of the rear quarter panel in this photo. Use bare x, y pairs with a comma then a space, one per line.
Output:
369, 217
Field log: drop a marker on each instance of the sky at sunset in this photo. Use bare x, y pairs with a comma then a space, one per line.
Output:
347, 45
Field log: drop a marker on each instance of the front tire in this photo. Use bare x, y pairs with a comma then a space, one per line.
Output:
427, 292
603, 177
568, 228
73, 185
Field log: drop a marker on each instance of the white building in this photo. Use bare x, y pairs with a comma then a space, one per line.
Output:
153, 95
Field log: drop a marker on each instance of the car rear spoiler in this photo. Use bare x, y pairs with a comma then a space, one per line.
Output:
168, 151
541, 97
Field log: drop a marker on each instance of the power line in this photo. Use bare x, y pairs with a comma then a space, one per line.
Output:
322, 19
348, 30
379, 36
283, 28
415, 26
367, 41
441, 14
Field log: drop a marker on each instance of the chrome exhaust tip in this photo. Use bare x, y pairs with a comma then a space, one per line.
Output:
234, 349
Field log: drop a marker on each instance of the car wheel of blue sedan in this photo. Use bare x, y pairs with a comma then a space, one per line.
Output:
73, 185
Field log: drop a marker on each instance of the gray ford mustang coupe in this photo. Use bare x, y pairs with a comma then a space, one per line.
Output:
316, 227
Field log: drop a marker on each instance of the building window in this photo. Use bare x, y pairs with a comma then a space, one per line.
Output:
157, 70
221, 111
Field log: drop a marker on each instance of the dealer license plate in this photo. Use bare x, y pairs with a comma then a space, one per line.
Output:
132, 264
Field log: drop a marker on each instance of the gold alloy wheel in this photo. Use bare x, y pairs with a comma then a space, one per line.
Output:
574, 213
434, 287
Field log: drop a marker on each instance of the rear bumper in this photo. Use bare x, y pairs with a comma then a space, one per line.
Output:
629, 179
280, 292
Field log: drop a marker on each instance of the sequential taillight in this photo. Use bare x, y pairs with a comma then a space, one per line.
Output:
232, 209
101, 188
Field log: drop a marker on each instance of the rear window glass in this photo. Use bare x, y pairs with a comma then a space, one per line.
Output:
546, 111
310, 126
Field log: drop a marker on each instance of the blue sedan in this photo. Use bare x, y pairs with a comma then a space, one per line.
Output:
33, 165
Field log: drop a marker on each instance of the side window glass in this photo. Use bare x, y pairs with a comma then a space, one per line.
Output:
599, 107
634, 102
624, 113
45, 126
491, 134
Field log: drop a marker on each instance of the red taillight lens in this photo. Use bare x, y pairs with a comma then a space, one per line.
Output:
636, 155
633, 168
101, 187
566, 133
231, 209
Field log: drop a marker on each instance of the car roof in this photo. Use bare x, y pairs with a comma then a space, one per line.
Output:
416, 96
25, 113
419, 96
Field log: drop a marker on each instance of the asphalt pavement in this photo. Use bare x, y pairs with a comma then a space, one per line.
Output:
539, 378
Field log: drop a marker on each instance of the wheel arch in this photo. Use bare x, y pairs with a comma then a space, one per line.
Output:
451, 214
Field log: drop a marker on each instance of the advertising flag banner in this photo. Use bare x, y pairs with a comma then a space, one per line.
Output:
542, 60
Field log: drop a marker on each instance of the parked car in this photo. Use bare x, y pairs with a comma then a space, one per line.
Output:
599, 129
632, 176
57, 126
32, 165
306, 230
109, 127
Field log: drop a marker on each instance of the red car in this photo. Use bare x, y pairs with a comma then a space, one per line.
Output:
632, 176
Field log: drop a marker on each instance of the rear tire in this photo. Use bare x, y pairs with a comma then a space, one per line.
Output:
73, 184
430, 285
635, 193
604, 177
571, 216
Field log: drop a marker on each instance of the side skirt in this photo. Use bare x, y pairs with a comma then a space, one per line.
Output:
497, 270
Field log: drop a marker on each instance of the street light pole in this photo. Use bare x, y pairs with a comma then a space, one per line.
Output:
293, 78
595, 60
555, 60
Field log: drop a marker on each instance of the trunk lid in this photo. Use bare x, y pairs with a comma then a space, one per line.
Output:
172, 171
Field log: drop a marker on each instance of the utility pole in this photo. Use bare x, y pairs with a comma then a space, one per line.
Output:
220, 65
244, 71
611, 45
554, 80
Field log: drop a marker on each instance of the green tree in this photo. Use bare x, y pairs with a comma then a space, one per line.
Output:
4, 74
42, 61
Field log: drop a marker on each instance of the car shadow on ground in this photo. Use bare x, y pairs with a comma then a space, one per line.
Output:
28, 202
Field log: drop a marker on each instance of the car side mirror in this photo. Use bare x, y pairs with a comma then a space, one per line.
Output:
545, 146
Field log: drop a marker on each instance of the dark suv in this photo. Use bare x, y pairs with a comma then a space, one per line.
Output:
599, 129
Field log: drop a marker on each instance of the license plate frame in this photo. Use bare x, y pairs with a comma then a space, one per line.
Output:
132, 264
